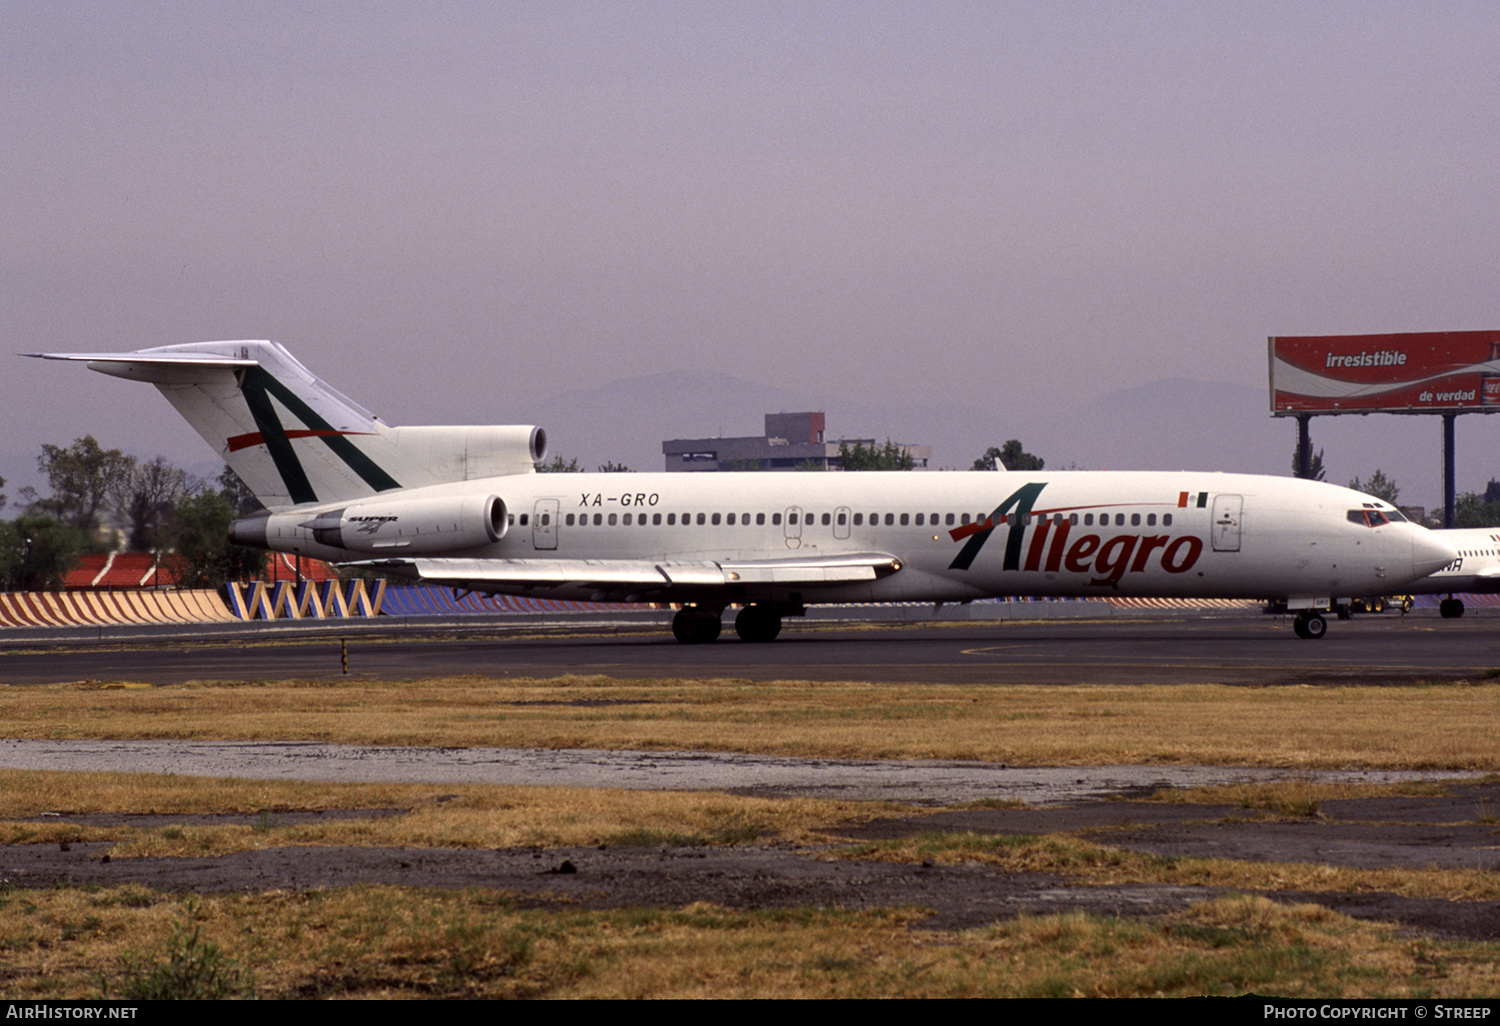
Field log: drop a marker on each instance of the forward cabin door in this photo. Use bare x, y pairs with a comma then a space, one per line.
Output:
1227, 512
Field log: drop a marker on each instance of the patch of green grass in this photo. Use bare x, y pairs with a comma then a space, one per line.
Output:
189, 968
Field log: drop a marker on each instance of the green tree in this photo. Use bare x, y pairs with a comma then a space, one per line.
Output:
205, 558
1379, 486
241, 499
611, 467
143, 496
1011, 456
36, 552
889, 456
1470, 510
1315, 470
557, 466
81, 477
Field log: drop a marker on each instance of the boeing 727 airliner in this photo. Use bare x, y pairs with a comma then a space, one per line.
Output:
462, 507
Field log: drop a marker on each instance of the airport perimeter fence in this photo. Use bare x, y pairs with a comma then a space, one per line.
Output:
334, 599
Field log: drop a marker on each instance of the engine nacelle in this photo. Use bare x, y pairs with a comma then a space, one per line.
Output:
426, 525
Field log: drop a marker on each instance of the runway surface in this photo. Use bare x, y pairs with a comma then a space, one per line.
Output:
1253, 651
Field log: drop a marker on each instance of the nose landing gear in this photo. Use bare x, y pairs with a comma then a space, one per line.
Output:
1310, 625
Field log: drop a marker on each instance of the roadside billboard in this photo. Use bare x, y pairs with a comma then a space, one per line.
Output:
1423, 372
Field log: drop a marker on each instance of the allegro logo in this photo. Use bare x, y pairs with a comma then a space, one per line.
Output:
1052, 550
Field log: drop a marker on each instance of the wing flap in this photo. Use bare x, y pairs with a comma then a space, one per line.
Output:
640, 574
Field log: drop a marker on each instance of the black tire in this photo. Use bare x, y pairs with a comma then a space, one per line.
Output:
1314, 627
757, 624
696, 626
1451, 608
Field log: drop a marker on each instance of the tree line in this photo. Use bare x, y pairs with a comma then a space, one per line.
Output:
101, 498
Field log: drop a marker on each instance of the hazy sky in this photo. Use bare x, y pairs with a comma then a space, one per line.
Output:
451, 209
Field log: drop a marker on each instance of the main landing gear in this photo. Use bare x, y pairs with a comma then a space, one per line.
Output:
1451, 608
758, 623
696, 625
1309, 625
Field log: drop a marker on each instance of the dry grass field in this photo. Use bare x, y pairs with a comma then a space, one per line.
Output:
380, 940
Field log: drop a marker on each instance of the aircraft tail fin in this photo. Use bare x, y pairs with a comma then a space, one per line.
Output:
294, 439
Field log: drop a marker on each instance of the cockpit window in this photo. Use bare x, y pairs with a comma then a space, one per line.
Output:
1368, 517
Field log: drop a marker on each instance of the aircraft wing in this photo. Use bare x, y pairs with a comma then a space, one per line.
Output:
638, 575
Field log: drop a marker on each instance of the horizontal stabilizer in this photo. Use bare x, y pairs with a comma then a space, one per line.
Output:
295, 440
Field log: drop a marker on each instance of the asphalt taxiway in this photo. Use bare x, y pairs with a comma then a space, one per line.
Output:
1240, 650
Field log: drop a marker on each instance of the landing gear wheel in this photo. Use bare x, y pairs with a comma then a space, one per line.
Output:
1311, 626
757, 624
1406, 603
696, 626
1451, 608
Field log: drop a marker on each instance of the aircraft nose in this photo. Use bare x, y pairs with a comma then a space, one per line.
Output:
1429, 553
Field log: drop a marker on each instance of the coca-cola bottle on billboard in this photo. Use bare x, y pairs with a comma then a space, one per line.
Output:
1489, 381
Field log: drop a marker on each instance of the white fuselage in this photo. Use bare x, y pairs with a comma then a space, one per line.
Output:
953, 536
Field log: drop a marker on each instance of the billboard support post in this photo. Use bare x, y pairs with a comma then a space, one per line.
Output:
1448, 421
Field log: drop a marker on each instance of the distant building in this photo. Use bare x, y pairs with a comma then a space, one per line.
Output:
791, 441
